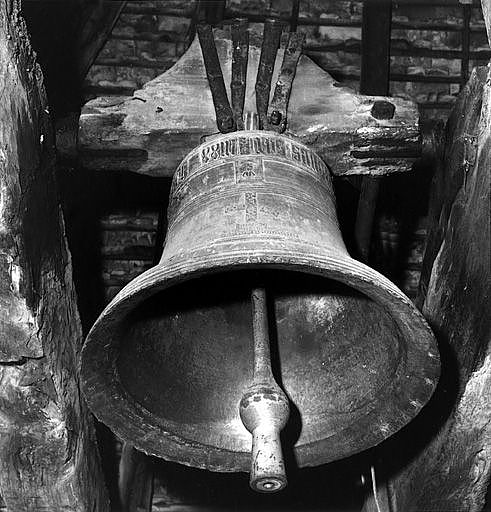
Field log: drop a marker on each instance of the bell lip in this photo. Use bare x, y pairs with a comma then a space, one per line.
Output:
133, 423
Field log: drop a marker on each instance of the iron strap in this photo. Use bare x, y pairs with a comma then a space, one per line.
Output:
223, 111
270, 45
240, 54
277, 112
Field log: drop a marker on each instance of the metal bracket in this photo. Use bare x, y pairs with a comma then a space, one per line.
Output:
223, 111
240, 55
229, 118
269, 48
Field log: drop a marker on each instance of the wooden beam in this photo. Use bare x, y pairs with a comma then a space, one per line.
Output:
152, 131
452, 467
97, 22
48, 456
375, 40
486, 11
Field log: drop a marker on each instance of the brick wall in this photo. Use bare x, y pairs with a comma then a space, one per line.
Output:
146, 41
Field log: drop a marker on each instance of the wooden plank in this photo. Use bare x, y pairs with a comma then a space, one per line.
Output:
98, 20
48, 456
152, 131
451, 466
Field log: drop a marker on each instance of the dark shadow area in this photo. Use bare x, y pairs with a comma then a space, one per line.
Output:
347, 192
332, 487
86, 198
405, 446
53, 29
403, 202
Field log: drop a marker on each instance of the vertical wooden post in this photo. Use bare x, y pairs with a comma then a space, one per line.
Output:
375, 72
375, 40
451, 469
294, 15
48, 455
367, 204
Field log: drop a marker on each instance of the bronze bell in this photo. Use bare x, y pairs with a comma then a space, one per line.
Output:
254, 268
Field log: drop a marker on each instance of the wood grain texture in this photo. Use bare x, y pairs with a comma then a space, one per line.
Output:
452, 471
48, 457
152, 131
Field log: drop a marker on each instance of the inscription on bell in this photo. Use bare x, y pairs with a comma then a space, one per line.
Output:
253, 146
217, 150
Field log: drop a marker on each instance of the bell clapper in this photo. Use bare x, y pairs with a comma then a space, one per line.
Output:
264, 408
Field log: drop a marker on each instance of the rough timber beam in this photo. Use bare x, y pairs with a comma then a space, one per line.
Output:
152, 131
48, 455
451, 470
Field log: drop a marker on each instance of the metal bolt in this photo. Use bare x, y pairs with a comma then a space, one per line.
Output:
382, 109
226, 124
275, 117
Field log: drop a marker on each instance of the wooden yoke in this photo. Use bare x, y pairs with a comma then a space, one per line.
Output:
152, 131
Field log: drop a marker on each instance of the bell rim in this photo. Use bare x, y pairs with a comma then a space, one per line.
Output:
116, 413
